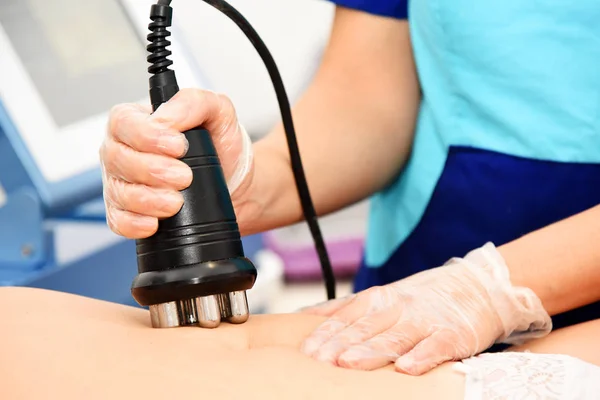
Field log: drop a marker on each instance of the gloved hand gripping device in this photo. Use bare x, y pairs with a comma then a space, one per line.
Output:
193, 271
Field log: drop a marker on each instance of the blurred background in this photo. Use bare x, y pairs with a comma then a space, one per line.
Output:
64, 63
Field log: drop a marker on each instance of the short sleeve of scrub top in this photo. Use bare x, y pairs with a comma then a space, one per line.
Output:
386, 8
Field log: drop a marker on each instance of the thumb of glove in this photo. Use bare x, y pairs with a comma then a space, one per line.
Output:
426, 355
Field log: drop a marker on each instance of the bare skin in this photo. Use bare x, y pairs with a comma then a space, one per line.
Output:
71, 347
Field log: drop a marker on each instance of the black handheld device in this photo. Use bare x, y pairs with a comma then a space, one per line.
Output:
193, 271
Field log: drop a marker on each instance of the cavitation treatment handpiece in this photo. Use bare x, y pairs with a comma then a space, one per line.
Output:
192, 271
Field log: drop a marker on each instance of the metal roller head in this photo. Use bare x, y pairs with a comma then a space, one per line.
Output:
206, 312
165, 315
173, 314
209, 311
238, 307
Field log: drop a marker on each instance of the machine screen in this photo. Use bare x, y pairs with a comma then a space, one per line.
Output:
83, 56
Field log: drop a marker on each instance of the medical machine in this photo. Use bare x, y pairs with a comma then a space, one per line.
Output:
63, 65
194, 271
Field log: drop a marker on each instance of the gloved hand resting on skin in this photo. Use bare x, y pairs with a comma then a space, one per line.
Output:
448, 313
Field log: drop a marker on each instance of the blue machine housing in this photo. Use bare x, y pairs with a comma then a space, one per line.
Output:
28, 220
35, 208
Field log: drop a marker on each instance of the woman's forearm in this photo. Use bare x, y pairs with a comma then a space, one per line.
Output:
560, 263
354, 124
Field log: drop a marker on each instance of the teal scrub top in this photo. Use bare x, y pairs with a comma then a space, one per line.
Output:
508, 133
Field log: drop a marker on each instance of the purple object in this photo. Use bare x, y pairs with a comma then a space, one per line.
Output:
301, 262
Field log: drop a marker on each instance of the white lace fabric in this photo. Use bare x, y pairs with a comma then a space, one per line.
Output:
529, 376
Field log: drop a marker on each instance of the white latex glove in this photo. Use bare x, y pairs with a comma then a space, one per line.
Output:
448, 313
142, 175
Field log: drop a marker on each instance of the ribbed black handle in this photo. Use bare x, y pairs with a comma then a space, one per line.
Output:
205, 228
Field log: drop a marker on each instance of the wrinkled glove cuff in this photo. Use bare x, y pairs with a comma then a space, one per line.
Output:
521, 311
243, 163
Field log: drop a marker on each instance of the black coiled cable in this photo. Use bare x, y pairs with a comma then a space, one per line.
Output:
159, 43
159, 63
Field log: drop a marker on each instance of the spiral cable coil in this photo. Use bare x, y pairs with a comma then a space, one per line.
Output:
158, 42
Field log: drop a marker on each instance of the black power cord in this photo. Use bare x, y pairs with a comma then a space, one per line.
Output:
158, 58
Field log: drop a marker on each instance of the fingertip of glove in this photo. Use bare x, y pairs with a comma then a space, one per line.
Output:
406, 366
325, 357
364, 359
351, 359
409, 366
